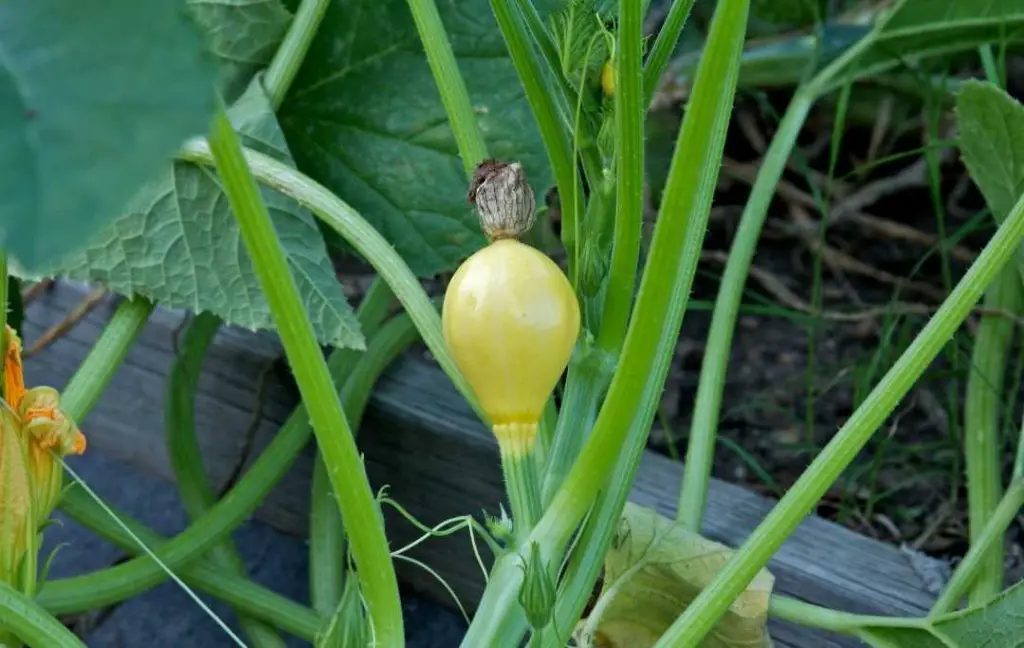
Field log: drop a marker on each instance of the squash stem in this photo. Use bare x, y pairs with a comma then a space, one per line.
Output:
292, 50
589, 373
974, 561
359, 507
519, 463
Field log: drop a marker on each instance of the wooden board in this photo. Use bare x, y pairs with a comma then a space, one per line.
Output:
423, 442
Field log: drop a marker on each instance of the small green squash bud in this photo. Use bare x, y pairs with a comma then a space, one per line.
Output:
537, 594
503, 198
593, 268
348, 628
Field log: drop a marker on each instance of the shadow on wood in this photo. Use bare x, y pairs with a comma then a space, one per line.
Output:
423, 442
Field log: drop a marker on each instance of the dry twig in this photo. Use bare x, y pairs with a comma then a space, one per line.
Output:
35, 290
59, 329
778, 289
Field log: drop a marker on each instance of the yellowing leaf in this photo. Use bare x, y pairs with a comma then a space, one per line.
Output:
654, 569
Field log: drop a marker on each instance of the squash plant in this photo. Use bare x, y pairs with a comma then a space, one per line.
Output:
357, 125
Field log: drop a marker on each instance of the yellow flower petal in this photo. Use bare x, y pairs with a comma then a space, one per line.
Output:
14, 377
50, 434
15, 497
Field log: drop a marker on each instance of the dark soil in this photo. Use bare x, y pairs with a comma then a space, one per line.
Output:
798, 371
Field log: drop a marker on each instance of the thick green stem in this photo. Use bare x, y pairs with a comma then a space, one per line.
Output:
388, 343
592, 546
25, 618
325, 522
584, 386
629, 175
105, 357
182, 446
541, 36
635, 389
567, 97
664, 291
186, 459
664, 45
981, 546
359, 508
700, 453
546, 431
523, 487
326, 533
815, 616
454, 95
694, 624
982, 414
240, 593
367, 241
542, 102
983, 406
292, 50
326, 543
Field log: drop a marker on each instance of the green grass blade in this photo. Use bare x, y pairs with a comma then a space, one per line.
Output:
701, 448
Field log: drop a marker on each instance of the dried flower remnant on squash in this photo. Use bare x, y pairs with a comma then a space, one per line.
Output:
503, 198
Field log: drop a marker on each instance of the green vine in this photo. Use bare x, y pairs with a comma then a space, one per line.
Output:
364, 522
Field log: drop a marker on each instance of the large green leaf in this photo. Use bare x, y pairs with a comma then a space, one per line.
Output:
991, 138
95, 96
915, 29
180, 245
242, 34
654, 569
997, 624
365, 119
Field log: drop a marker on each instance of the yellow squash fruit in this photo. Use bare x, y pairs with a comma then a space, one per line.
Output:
511, 320
510, 316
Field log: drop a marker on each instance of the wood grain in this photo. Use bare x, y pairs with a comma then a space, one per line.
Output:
436, 459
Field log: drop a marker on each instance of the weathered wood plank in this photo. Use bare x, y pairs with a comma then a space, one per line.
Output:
422, 441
